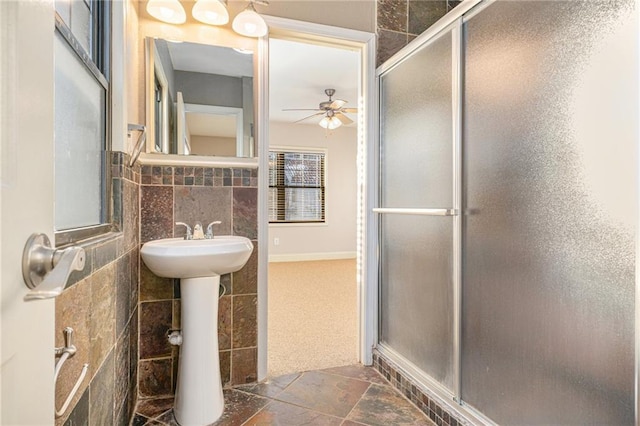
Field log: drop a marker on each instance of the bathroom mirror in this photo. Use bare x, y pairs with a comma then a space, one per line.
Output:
200, 99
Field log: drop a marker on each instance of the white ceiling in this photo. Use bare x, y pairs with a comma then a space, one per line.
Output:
210, 59
300, 72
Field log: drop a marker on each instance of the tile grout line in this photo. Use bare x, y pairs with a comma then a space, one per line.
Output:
356, 404
311, 410
273, 400
301, 406
157, 418
343, 376
257, 412
349, 377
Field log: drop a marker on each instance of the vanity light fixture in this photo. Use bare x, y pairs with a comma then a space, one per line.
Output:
169, 11
249, 23
213, 12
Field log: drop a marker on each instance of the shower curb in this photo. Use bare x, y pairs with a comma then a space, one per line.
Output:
439, 412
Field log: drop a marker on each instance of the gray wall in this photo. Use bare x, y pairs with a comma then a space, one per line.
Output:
354, 14
209, 89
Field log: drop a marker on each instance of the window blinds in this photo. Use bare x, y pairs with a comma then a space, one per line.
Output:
296, 187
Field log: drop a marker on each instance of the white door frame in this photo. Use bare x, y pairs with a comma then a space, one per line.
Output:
367, 270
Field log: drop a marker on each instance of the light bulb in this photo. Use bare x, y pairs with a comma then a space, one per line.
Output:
330, 123
249, 23
169, 11
212, 12
334, 123
324, 123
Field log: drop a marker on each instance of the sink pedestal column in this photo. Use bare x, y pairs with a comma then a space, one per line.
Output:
199, 399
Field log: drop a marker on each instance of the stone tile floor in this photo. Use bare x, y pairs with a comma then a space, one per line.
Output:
348, 396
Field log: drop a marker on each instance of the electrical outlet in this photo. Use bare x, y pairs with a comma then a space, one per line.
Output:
276, 241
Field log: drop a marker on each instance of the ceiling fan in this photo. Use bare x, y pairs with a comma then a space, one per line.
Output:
332, 112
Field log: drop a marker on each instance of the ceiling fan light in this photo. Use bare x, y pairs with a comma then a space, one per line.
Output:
334, 123
249, 23
324, 123
212, 12
330, 123
169, 11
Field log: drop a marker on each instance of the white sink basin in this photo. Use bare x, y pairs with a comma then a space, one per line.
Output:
199, 397
180, 258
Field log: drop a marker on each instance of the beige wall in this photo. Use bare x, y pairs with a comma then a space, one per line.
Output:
353, 14
338, 235
208, 145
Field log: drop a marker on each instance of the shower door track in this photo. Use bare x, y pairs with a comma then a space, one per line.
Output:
431, 387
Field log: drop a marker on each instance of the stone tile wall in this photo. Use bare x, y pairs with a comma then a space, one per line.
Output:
189, 194
400, 21
100, 304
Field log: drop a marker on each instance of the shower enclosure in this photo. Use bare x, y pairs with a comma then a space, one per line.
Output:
508, 211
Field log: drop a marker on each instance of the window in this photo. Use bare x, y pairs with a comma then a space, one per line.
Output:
296, 187
81, 58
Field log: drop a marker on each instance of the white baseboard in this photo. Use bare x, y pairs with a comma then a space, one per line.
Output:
301, 257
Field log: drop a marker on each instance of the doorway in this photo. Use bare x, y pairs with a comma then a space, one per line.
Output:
301, 255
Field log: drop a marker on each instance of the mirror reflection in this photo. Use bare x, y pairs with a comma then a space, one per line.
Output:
201, 99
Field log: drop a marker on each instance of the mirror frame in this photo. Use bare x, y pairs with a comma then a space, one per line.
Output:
153, 157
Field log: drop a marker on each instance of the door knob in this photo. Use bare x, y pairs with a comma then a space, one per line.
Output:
46, 270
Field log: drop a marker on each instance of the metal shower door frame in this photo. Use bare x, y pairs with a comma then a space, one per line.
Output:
454, 22
450, 25
451, 29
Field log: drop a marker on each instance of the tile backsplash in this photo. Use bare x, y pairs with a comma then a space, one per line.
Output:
172, 194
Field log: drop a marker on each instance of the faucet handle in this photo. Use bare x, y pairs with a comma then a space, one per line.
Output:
210, 229
197, 231
189, 235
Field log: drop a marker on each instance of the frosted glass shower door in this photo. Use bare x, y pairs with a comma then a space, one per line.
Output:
550, 170
416, 227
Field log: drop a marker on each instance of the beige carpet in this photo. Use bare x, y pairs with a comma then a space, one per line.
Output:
313, 315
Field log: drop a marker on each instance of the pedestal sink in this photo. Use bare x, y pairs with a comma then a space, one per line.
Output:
198, 264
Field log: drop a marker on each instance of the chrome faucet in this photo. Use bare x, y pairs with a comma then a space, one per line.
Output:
209, 235
188, 235
197, 231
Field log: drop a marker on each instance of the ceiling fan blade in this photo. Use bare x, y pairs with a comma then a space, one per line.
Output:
350, 110
312, 115
301, 109
343, 118
337, 104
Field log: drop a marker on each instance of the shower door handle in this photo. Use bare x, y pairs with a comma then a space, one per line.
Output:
421, 212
